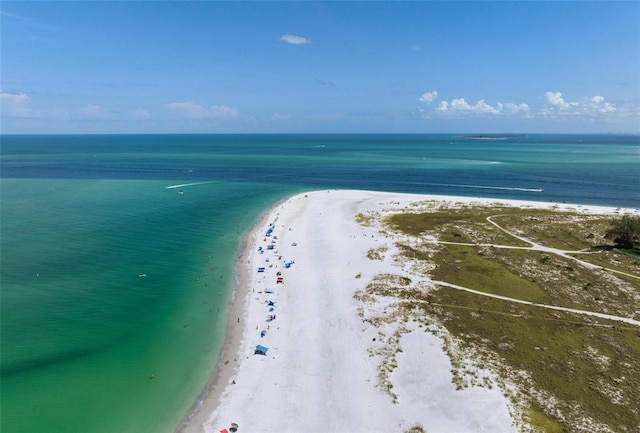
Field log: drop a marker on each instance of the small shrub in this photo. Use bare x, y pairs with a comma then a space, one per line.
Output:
416, 428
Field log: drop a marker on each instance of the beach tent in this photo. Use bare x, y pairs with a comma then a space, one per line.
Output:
224, 430
260, 350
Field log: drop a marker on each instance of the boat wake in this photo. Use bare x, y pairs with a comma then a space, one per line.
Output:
182, 185
504, 188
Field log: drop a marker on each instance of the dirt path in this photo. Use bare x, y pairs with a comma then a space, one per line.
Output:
537, 247
551, 307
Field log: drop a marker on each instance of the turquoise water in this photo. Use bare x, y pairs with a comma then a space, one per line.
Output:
89, 345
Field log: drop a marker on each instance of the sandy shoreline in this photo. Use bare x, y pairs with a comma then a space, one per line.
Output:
226, 368
320, 372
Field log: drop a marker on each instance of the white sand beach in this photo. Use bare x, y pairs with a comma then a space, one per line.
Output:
320, 372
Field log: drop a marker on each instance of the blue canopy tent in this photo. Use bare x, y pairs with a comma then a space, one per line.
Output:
260, 350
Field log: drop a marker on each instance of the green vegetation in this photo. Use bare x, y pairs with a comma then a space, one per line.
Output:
572, 370
458, 225
568, 231
466, 267
377, 253
417, 224
590, 362
363, 219
625, 232
416, 428
542, 423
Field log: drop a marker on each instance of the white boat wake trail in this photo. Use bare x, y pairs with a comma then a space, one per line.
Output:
507, 188
182, 185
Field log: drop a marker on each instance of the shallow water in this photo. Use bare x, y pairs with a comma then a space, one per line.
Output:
89, 345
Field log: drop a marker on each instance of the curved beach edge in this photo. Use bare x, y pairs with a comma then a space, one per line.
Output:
317, 372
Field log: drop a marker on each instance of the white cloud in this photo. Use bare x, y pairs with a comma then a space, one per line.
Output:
19, 105
597, 104
15, 104
223, 111
554, 106
512, 108
587, 107
197, 111
14, 98
461, 106
443, 106
96, 112
295, 40
556, 99
428, 97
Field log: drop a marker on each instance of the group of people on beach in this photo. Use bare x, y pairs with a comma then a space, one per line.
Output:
271, 239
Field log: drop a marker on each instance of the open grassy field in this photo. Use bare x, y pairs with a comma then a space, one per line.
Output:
573, 373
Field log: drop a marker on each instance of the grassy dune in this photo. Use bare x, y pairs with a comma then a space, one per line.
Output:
573, 372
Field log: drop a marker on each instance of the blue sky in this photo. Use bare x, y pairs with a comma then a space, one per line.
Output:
319, 67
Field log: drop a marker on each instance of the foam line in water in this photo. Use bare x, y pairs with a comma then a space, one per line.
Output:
182, 185
507, 188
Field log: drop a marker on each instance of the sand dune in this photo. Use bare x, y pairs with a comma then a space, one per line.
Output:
322, 369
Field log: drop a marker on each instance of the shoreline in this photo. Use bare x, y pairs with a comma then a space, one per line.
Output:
235, 331
220, 389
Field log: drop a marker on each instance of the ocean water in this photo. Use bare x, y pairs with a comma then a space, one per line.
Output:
117, 252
